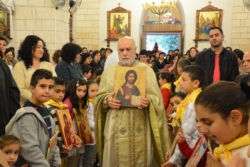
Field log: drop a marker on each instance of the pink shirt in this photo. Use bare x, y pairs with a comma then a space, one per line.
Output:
70, 107
216, 76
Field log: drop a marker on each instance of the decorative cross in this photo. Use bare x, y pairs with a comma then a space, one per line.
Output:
209, 2
119, 4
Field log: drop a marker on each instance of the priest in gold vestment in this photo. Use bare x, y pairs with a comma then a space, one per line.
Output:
130, 137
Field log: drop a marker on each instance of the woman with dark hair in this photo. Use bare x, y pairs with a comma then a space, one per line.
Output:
240, 54
170, 53
108, 51
161, 62
171, 68
90, 52
229, 48
95, 63
192, 54
84, 50
32, 55
56, 57
10, 57
86, 58
68, 68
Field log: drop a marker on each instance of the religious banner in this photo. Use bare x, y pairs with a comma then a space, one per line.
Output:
66, 127
212, 161
130, 85
198, 153
51, 150
83, 126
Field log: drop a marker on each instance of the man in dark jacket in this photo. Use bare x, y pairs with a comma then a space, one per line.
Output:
9, 96
218, 62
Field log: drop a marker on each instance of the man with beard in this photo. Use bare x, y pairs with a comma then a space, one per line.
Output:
130, 136
128, 89
217, 61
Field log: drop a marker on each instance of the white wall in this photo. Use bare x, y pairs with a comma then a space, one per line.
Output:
135, 6
189, 9
39, 17
240, 26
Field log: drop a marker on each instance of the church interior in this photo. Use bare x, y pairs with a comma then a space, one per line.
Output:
88, 23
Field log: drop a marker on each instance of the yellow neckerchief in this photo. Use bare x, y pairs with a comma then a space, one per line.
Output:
59, 105
182, 107
227, 148
174, 120
177, 84
91, 100
166, 85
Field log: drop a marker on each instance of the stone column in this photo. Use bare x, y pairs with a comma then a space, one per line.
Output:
87, 25
39, 17
240, 26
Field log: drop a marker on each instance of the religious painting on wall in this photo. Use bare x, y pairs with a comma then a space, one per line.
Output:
130, 85
206, 18
4, 24
118, 23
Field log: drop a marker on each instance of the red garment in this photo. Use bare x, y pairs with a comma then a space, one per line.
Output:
187, 151
166, 68
70, 107
165, 92
216, 76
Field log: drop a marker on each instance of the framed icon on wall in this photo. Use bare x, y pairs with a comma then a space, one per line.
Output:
118, 23
4, 24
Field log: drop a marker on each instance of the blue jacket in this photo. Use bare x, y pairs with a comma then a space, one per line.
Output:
68, 72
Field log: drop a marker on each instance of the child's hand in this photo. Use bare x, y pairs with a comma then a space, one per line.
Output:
237, 160
167, 156
66, 149
79, 142
168, 164
180, 137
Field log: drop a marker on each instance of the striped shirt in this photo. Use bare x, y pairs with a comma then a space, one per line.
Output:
43, 111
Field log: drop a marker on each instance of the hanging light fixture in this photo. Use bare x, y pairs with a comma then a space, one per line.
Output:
159, 7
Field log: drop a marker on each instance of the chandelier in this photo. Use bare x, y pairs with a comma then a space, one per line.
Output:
160, 7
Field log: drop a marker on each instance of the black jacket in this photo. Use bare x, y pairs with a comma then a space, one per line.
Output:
228, 64
9, 96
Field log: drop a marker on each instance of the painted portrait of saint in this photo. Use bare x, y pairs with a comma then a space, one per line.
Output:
207, 20
118, 25
66, 127
67, 130
128, 89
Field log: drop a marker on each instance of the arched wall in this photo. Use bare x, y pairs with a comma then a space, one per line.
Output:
188, 14
181, 11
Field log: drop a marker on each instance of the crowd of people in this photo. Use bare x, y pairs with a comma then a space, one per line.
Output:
188, 98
